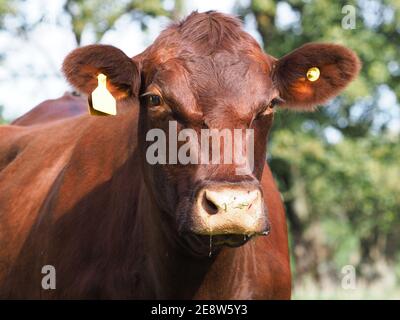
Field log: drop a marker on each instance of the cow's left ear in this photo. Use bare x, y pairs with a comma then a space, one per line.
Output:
83, 65
314, 73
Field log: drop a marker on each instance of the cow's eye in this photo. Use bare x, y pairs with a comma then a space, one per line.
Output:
275, 102
151, 100
269, 107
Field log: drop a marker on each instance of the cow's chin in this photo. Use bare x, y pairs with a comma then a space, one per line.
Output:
201, 245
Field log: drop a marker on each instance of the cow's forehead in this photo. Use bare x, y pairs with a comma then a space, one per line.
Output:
226, 68
223, 79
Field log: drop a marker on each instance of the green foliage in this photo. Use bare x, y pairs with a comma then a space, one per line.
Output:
97, 16
351, 187
100, 16
7, 7
2, 120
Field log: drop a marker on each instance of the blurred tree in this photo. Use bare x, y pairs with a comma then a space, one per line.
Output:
6, 7
95, 15
2, 120
340, 197
101, 16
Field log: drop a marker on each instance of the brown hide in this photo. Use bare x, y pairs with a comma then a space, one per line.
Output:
77, 201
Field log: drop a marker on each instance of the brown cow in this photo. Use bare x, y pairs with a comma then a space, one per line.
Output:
79, 194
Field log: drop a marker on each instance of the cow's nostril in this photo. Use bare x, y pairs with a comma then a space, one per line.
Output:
209, 206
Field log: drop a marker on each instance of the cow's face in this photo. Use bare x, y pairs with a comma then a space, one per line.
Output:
201, 80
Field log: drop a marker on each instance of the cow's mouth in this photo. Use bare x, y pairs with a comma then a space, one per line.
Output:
230, 240
208, 245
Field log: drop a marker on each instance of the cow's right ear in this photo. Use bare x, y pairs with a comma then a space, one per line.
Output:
82, 66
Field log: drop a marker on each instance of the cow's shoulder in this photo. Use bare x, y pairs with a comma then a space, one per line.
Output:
55, 172
86, 149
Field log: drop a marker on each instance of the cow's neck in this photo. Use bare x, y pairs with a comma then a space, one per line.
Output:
166, 272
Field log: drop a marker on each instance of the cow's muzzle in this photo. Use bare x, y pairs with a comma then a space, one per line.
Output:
229, 210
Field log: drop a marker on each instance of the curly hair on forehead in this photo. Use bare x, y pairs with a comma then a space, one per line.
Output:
213, 29
207, 33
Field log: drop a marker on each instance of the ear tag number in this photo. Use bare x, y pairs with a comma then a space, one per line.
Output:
102, 99
313, 74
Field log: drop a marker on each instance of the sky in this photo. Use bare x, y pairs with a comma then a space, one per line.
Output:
30, 71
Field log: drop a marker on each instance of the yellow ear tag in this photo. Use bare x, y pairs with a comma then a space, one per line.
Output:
313, 74
102, 99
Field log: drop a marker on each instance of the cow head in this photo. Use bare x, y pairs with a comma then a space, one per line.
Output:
206, 73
